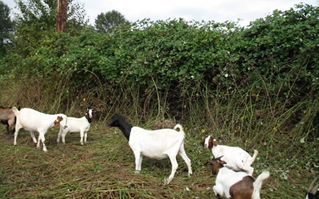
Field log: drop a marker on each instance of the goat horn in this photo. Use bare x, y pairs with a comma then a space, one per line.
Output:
219, 157
312, 185
314, 190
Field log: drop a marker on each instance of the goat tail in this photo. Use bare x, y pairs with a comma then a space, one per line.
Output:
15, 111
258, 183
178, 126
254, 156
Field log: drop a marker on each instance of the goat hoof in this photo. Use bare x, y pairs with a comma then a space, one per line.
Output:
137, 171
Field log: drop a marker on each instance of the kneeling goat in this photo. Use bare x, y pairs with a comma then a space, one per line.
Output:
236, 158
81, 125
156, 144
32, 120
313, 192
236, 185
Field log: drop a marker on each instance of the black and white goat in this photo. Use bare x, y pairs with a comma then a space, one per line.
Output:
32, 120
235, 185
156, 144
7, 117
81, 125
236, 158
313, 191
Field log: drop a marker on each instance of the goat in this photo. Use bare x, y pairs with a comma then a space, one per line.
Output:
313, 191
7, 117
81, 125
32, 120
235, 185
236, 158
156, 144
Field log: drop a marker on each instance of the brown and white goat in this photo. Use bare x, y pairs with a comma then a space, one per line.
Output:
8, 118
236, 158
81, 125
235, 185
313, 192
33, 120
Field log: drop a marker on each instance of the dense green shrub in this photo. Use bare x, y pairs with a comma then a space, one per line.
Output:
234, 81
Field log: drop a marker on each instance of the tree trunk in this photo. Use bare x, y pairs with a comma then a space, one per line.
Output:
61, 18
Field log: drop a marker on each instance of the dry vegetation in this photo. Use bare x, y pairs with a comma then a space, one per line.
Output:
104, 168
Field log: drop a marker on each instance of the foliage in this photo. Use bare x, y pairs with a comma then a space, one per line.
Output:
107, 22
41, 16
283, 46
250, 86
5, 26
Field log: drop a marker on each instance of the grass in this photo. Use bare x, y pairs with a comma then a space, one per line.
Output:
104, 168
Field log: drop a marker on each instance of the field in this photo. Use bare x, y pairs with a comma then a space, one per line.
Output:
104, 168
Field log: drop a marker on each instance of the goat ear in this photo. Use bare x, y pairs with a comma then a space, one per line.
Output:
215, 142
202, 142
222, 162
209, 162
313, 189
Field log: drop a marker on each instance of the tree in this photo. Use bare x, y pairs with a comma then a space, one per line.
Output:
106, 22
5, 26
61, 18
43, 14
36, 22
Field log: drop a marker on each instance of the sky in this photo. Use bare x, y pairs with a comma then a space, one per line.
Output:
198, 10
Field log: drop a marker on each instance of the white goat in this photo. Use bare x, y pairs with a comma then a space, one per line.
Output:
81, 125
236, 158
32, 120
236, 185
156, 144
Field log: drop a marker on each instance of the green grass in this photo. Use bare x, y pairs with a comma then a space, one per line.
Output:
104, 168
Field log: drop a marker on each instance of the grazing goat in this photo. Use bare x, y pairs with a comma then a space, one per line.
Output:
81, 125
32, 120
156, 144
7, 117
236, 158
236, 185
313, 192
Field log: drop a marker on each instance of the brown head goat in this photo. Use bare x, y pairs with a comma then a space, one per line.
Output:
313, 192
235, 185
237, 159
8, 118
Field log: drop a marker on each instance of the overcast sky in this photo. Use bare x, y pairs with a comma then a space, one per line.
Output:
219, 11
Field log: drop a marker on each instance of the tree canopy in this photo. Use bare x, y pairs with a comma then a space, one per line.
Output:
106, 22
6, 26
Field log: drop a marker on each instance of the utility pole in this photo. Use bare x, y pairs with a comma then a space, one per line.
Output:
62, 11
